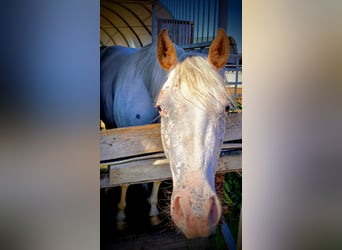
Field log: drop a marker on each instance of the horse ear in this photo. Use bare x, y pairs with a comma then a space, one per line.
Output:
219, 49
166, 52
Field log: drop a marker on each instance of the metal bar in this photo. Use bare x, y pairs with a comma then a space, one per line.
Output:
154, 24
183, 25
227, 235
203, 19
222, 13
189, 15
175, 28
236, 80
172, 20
208, 20
185, 18
197, 23
193, 21
215, 18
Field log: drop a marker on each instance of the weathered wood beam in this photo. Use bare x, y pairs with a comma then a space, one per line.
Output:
138, 140
135, 154
148, 170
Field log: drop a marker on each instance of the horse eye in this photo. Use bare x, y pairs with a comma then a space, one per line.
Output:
227, 108
159, 108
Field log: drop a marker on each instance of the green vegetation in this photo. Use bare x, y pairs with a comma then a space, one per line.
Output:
232, 197
231, 204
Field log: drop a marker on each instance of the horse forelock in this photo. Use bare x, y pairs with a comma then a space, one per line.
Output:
200, 83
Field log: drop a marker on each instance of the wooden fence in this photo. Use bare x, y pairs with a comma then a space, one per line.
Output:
135, 154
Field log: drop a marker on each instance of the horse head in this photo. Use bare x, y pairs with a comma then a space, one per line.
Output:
192, 105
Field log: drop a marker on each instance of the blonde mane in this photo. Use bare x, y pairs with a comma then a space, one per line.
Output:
200, 83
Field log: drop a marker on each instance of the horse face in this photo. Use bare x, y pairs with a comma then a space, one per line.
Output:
192, 141
192, 133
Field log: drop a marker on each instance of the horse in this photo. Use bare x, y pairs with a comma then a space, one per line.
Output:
185, 92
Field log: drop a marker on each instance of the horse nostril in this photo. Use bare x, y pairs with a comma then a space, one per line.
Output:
213, 212
177, 212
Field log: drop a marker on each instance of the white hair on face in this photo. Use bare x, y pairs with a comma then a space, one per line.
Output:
200, 83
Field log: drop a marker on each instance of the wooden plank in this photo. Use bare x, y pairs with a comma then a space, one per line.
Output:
148, 170
233, 127
129, 141
125, 142
228, 146
230, 162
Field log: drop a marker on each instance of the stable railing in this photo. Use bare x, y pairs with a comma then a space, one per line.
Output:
134, 155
